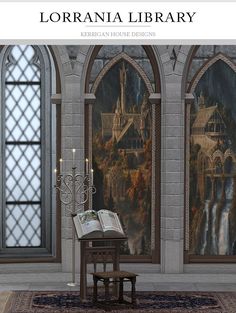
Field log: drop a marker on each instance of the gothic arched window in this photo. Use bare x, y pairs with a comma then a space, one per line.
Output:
210, 191
26, 131
123, 142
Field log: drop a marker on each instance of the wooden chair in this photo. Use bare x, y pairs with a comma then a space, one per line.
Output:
109, 255
114, 277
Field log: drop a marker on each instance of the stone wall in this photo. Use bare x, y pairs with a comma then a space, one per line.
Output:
173, 63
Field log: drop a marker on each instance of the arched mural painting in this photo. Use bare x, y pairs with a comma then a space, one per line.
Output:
212, 168
122, 155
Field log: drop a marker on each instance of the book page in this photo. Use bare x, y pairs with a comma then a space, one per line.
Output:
77, 226
110, 221
89, 222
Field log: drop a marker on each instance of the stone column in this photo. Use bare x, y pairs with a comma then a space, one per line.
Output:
173, 155
89, 100
189, 100
72, 137
56, 151
155, 100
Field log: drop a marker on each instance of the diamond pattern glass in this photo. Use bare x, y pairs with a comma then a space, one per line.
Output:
23, 173
24, 65
23, 148
22, 113
23, 225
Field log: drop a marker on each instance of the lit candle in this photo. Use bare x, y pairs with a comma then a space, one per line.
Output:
55, 171
73, 157
86, 166
92, 177
60, 166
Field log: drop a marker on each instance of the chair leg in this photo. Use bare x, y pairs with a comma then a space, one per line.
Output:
121, 287
133, 295
106, 283
95, 289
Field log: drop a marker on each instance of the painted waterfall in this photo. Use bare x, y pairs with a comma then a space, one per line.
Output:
213, 163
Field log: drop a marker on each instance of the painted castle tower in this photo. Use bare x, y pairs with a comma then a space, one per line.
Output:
128, 127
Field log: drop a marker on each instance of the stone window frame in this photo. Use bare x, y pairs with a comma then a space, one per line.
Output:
49, 251
189, 100
155, 100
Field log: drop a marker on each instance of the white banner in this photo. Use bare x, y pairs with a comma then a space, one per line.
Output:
104, 21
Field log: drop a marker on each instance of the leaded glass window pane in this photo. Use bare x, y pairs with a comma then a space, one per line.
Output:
23, 225
23, 173
23, 148
22, 66
22, 112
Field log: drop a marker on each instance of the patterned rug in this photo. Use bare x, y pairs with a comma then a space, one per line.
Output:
4, 297
161, 302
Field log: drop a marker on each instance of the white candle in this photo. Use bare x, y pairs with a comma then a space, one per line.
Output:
55, 171
60, 165
73, 157
86, 166
92, 177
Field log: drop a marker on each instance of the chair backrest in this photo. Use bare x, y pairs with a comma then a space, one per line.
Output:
101, 254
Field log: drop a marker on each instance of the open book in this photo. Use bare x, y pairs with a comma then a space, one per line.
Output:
93, 224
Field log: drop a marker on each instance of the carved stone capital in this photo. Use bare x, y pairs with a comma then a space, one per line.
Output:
89, 98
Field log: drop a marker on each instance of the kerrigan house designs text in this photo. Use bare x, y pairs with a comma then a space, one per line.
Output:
116, 17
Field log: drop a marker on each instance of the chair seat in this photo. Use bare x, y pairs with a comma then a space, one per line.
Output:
116, 277
114, 274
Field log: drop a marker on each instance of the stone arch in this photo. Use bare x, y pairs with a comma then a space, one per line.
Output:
218, 165
116, 59
207, 65
218, 155
91, 53
189, 52
63, 65
228, 164
229, 154
152, 86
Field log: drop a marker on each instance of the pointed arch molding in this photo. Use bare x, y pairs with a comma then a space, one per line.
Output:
112, 62
207, 65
